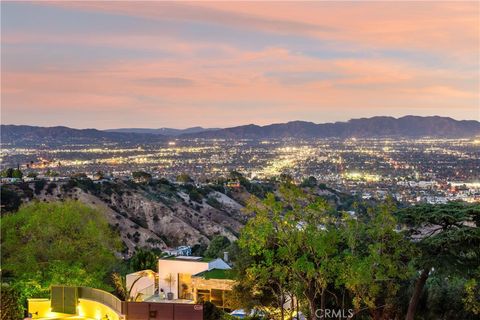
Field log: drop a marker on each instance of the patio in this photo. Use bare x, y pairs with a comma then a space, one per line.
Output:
156, 298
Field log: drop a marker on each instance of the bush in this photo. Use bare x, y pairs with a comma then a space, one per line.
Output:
309, 182
199, 249
217, 246
140, 221
51, 186
69, 186
10, 302
195, 196
39, 185
211, 312
10, 200
76, 244
214, 203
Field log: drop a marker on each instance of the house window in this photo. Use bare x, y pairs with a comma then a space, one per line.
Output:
185, 289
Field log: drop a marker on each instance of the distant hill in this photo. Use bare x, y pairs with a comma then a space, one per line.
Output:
55, 136
408, 126
163, 131
160, 213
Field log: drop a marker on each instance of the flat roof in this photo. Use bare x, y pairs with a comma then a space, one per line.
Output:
187, 258
143, 271
222, 274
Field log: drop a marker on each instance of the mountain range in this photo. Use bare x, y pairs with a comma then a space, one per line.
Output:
164, 131
32, 136
408, 126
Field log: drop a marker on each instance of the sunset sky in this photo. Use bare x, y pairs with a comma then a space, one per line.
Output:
150, 64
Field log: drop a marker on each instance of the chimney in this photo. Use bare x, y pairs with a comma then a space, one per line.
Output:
225, 256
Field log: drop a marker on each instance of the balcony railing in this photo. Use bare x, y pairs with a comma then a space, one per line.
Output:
145, 293
65, 297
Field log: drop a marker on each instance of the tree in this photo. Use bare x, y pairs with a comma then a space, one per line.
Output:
121, 289
211, 312
60, 242
52, 173
9, 306
292, 241
217, 246
11, 201
375, 263
32, 174
309, 182
447, 237
17, 173
299, 247
7, 173
170, 279
194, 195
141, 176
143, 260
184, 178
199, 249
472, 298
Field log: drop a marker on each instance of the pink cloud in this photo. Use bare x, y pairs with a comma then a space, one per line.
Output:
234, 86
428, 25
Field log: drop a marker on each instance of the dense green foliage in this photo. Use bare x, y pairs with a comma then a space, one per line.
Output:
382, 263
217, 247
141, 176
143, 260
56, 243
258, 190
447, 239
195, 196
297, 246
184, 178
10, 309
309, 182
11, 173
11, 201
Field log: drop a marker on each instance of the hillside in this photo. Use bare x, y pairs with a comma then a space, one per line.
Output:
154, 215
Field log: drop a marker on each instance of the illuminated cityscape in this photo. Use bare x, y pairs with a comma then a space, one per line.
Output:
423, 170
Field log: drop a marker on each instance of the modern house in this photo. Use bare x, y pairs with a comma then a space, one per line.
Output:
189, 280
175, 274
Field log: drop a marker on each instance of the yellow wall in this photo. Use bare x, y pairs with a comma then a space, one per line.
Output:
42, 306
86, 308
95, 310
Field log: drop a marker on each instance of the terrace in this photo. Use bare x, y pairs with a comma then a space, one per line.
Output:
89, 303
185, 280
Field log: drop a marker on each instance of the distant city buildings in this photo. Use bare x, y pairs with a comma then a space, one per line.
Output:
422, 170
